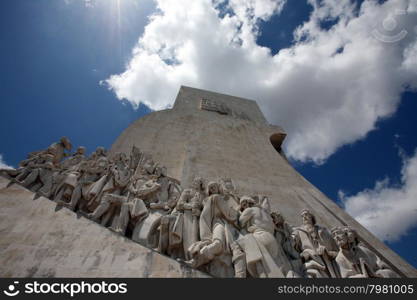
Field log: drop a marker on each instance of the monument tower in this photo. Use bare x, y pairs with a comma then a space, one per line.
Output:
204, 139
215, 135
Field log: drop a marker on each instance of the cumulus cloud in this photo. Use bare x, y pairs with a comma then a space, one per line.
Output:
387, 211
327, 90
3, 165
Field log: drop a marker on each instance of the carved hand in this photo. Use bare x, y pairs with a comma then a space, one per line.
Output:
321, 250
306, 254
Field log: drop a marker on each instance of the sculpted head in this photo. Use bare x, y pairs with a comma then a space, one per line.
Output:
197, 183
164, 171
340, 237
213, 188
277, 218
308, 217
66, 142
351, 235
246, 202
100, 151
149, 165
227, 186
81, 150
93, 156
123, 156
160, 171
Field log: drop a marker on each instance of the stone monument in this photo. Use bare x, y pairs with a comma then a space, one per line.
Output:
202, 189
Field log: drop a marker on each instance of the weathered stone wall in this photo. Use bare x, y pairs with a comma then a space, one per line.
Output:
39, 240
190, 141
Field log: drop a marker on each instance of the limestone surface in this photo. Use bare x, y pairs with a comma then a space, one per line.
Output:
39, 239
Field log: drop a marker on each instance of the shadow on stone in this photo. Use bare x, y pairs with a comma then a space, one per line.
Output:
36, 196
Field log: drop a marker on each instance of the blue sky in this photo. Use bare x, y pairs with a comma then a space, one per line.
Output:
54, 54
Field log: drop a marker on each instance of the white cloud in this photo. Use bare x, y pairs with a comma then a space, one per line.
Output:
3, 164
327, 90
387, 211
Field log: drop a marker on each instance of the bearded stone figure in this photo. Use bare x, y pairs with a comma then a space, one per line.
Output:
214, 248
355, 259
316, 246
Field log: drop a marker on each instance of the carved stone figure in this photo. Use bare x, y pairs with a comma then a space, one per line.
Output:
100, 166
192, 208
39, 166
316, 246
115, 184
135, 157
264, 257
283, 235
133, 208
216, 221
25, 167
75, 159
228, 190
181, 228
376, 265
352, 263
66, 180
40, 177
160, 203
91, 171
167, 196
60, 147
147, 165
